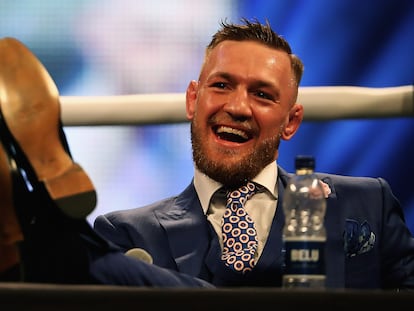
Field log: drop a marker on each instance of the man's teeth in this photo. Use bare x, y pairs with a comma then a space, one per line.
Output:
230, 130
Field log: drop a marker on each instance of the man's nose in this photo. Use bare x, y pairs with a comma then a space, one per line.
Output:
238, 103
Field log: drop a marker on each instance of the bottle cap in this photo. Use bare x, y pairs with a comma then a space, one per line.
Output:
305, 162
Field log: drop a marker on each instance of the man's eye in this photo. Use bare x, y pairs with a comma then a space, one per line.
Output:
220, 85
264, 95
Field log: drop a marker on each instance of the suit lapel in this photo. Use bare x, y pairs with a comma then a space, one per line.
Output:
186, 228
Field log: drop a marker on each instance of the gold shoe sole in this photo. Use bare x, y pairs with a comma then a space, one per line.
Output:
29, 102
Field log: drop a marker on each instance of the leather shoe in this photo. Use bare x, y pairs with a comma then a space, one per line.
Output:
45, 196
30, 121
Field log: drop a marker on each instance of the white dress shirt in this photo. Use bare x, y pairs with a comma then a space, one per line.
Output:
261, 207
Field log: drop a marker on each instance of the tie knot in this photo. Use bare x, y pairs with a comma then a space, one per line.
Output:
241, 194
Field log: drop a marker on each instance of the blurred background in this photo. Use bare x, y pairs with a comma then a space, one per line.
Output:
115, 47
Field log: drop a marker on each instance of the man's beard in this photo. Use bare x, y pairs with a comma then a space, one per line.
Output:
233, 175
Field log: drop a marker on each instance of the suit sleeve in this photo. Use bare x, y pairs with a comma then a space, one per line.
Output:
116, 268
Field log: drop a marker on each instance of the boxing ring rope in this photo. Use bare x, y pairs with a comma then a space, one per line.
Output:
320, 104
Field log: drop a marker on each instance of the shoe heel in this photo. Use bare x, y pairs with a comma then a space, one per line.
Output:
73, 192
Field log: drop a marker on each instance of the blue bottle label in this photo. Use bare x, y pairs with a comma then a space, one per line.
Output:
304, 257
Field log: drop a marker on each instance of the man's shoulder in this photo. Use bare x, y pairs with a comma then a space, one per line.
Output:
337, 178
346, 178
344, 181
131, 213
160, 205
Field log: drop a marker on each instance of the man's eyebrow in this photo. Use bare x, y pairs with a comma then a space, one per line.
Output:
232, 77
261, 83
222, 74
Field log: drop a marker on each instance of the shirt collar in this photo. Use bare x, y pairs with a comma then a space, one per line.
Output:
207, 187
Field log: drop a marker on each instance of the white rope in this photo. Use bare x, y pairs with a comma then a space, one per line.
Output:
320, 104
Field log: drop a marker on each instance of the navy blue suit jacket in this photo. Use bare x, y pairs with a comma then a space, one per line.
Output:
178, 236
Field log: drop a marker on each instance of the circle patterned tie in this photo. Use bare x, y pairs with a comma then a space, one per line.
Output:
238, 232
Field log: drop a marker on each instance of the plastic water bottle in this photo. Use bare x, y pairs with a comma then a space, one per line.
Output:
304, 233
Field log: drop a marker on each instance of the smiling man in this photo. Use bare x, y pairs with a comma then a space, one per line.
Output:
242, 105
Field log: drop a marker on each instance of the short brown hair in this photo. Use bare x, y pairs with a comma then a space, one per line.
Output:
262, 33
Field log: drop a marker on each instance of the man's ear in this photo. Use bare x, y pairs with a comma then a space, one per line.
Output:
295, 118
190, 99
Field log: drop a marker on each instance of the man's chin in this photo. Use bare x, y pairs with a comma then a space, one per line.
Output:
230, 174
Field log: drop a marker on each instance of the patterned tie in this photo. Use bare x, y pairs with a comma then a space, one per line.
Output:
239, 234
